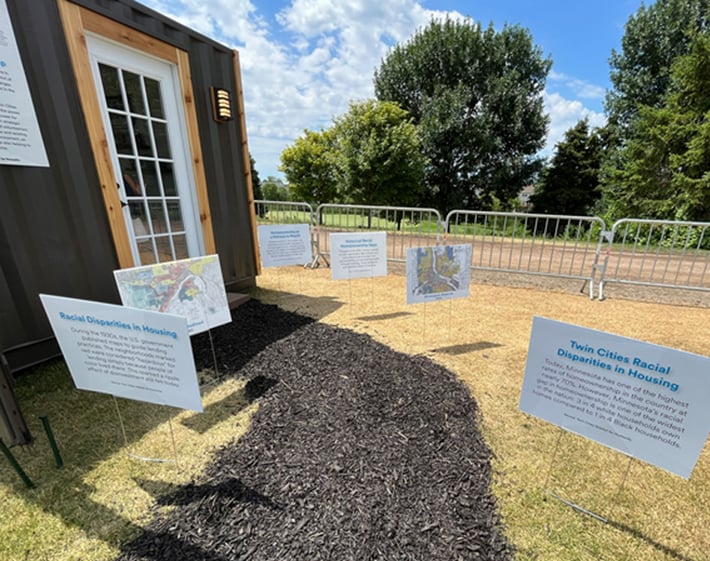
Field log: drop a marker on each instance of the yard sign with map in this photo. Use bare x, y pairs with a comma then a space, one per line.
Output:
438, 273
192, 288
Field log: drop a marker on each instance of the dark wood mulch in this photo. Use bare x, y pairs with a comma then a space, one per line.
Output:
357, 452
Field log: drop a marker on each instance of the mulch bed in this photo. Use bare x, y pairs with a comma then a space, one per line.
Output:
356, 452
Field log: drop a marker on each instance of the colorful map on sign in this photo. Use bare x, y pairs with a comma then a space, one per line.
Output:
438, 273
192, 288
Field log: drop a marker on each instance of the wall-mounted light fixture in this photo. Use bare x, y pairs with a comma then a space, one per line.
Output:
221, 104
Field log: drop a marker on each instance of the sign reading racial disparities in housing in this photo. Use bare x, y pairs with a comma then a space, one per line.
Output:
281, 245
438, 273
647, 401
358, 255
126, 352
20, 137
192, 288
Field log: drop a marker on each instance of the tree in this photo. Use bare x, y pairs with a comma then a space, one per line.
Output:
476, 96
372, 155
381, 155
311, 166
274, 189
272, 192
570, 184
255, 182
652, 40
664, 168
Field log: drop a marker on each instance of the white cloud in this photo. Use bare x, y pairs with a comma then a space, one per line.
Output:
581, 88
301, 68
332, 52
564, 114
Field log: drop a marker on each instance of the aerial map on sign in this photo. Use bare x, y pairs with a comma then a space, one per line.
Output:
192, 288
438, 273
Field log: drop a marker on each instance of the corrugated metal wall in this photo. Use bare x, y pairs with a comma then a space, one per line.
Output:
54, 234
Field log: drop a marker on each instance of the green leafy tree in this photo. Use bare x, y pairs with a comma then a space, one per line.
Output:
274, 189
570, 184
476, 96
664, 169
381, 155
653, 38
312, 168
273, 192
255, 181
372, 155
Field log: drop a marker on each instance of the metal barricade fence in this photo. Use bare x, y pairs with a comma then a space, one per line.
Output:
406, 227
534, 244
283, 212
658, 253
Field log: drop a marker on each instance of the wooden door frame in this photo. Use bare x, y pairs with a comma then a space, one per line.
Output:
77, 21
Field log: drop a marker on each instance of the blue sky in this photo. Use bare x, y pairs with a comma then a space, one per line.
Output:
303, 61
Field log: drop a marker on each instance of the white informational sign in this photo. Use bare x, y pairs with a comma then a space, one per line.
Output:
285, 244
20, 137
647, 401
357, 255
136, 354
192, 288
438, 273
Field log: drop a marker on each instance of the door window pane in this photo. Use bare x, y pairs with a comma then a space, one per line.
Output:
160, 131
152, 91
138, 218
146, 252
129, 174
164, 248
142, 136
166, 174
121, 134
134, 92
157, 217
112, 87
150, 178
175, 216
180, 243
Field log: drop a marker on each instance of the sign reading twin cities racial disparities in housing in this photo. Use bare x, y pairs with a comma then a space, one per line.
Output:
20, 137
192, 288
647, 401
438, 273
358, 255
126, 352
285, 244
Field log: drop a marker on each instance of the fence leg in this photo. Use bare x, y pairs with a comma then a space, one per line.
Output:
53, 443
13, 462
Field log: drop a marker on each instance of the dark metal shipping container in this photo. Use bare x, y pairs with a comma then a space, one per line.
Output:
141, 168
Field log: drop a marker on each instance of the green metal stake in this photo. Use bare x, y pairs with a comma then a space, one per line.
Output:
15, 465
50, 436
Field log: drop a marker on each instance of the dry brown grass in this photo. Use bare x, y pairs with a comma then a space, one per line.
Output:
655, 516
101, 497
